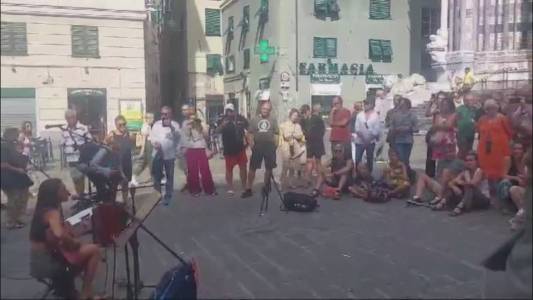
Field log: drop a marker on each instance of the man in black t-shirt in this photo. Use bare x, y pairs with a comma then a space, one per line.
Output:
232, 126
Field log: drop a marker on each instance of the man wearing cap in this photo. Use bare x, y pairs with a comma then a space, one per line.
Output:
232, 127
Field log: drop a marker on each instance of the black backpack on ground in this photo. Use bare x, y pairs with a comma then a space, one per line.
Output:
296, 201
177, 283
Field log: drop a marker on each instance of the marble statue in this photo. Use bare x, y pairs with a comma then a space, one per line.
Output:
437, 46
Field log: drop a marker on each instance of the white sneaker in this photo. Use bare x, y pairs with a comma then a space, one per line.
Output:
164, 181
133, 183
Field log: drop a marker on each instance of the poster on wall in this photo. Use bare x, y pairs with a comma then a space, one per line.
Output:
132, 110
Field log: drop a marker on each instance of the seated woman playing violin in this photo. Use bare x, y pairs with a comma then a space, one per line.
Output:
49, 232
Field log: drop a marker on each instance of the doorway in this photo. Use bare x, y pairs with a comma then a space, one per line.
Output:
325, 102
91, 107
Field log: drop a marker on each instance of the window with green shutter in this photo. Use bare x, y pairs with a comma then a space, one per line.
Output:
230, 64
324, 47
229, 35
380, 10
246, 58
84, 41
14, 40
212, 22
327, 8
380, 50
214, 64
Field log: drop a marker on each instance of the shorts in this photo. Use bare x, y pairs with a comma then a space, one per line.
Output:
456, 166
266, 152
431, 192
238, 159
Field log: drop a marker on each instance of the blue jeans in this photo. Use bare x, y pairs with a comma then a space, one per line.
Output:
404, 152
157, 172
369, 149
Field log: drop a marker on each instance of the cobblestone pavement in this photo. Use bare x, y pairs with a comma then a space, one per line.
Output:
348, 249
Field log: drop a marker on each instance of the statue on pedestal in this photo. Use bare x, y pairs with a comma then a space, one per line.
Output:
438, 46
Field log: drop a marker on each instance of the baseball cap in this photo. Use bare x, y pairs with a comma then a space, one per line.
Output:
229, 106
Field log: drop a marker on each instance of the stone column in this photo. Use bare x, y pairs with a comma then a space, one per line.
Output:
486, 23
451, 32
505, 20
444, 17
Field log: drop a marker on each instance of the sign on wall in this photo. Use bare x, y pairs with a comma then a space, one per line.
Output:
132, 110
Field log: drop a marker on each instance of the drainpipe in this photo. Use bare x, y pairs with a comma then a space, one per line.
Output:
297, 44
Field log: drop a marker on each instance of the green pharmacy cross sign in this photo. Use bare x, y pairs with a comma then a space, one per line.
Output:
264, 50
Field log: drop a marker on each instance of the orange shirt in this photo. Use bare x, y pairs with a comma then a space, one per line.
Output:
494, 145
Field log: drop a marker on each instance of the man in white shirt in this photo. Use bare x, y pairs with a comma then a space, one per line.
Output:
165, 137
368, 131
74, 135
383, 104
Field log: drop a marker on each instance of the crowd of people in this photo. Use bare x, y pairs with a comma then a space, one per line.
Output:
478, 156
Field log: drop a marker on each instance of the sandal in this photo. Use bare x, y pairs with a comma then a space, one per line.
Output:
435, 201
439, 206
315, 193
337, 195
458, 210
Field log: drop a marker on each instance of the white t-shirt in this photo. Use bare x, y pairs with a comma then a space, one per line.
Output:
382, 107
146, 129
367, 126
163, 135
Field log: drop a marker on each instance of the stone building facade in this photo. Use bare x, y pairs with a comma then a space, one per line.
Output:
493, 37
87, 55
295, 52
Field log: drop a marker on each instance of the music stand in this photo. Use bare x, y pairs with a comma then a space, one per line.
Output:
129, 234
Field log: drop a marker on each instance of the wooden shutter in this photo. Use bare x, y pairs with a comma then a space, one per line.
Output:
230, 64
386, 50
245, 18
84, 41
331, 48
212, 22
214, 64
321, 8
91, 41
14, 41
319, 47
379, 9
374, 50
246, 57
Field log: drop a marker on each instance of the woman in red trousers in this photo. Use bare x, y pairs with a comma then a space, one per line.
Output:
194, 136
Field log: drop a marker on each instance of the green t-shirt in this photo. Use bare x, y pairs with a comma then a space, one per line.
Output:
466, 122
264, 130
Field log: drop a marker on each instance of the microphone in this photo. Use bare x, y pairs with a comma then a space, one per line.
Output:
53, 126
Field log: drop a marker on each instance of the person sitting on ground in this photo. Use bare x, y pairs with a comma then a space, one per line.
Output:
470, 189
49, 231
362, 182
515, 175
337, 173
396, 176
518, 196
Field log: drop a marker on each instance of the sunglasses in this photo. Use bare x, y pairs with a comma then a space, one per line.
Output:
121, 124
337, 151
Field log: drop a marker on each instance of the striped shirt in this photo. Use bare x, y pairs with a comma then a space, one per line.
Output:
73, 137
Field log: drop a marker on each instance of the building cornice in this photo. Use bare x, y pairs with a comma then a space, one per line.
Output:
72, 11
227, 3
